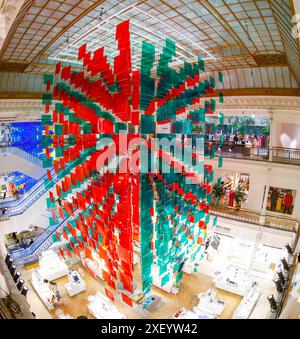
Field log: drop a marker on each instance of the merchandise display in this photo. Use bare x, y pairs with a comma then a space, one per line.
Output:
263, 263
281, 200
248, 303
42, 289
232, 182
234, 280
19, 183
195, 313
51, 266
75, 285
102, 308
209, 304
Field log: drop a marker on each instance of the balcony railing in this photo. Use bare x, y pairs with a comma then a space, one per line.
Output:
19, 206
253, 217
22, 154
273, 154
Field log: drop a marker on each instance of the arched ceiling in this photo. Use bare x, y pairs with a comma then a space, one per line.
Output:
249, 41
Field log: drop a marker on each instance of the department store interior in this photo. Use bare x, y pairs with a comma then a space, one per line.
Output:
149, 159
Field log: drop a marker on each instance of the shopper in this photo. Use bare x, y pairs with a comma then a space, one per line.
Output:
288, 202
235, 139
56, 290
274, 198
59, 202
243, 141
256, 144
14, 236
231, 197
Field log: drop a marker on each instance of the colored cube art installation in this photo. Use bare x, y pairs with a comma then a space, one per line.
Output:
132, 172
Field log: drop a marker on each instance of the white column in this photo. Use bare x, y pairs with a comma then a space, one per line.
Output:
257, 241
271, 137
265, 198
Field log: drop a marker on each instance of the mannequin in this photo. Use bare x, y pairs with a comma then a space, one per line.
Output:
231, 197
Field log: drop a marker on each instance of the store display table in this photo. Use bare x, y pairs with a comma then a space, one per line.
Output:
42, 290
75, 285
102, 308
233, 280
248, 303
209, 304
193, 314
51, 266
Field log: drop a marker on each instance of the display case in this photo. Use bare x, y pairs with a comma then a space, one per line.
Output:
208, 303
75, 285
42, 290
248, 303
234, 280
102, 308
51, 266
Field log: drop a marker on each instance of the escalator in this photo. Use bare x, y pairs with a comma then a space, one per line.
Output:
32, 253
19, 214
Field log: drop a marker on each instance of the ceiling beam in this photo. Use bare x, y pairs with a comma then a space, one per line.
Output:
259, 92
227, 93
22, 13
65, 29
283, 20
20, 95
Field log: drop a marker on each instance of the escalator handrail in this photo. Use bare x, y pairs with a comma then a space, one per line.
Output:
30, 250
18, 201
35, 195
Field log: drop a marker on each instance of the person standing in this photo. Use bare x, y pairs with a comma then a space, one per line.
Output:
56, 290
231, 198
274, 197
235, 139
288, 202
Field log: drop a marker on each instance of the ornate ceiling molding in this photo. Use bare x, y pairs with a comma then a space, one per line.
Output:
260, 104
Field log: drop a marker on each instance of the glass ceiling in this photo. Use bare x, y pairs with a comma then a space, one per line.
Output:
226, 33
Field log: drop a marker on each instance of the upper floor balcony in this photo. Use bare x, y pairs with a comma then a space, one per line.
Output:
279, 155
